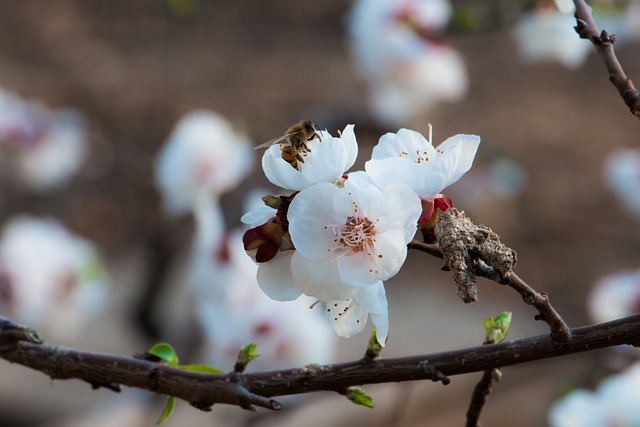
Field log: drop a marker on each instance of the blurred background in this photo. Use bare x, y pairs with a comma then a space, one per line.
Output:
116, 77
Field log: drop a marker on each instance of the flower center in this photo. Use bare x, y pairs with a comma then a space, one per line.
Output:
357, 234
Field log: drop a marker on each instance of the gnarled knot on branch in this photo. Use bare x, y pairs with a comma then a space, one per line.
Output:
462, 242
12, 333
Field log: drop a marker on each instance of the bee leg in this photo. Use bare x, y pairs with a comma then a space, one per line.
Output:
314, 136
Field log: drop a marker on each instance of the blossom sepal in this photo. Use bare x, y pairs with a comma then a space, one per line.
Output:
429, 216
273, 236
267, 239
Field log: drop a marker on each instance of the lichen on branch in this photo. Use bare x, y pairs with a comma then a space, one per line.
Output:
462, 242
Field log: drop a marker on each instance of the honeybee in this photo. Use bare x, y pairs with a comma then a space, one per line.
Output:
293, 144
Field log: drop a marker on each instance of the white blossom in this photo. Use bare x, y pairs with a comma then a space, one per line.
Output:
408, 157
348, 241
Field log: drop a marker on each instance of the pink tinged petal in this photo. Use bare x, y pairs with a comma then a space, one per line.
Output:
275, 278
311, 215
347, 318
320, 279
361, 268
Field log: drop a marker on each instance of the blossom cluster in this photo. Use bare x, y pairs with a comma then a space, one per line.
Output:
339, 236
203, 158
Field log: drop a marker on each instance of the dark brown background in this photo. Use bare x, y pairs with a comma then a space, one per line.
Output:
134, 68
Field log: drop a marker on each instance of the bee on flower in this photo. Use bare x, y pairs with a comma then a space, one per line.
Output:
339, 238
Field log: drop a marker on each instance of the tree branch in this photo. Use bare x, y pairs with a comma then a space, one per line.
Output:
479, 397
559, 329
255, 389
587, 29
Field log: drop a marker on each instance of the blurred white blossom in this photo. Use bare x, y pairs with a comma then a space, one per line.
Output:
615, 295
408, 157
622, 175
548, 35
43, 148
233, 311
616, 402
50, 278
402, 59
202, 154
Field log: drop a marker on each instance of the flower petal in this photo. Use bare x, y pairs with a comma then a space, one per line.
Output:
320, 279
311, 215
404, 210
281, 173
258, 216
372, 298
275, 278
347, 317
464, 151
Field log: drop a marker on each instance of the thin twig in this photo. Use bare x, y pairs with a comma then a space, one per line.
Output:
480, 394
587, 29
559, 329
255, 389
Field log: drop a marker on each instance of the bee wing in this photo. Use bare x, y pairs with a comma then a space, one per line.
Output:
273, 141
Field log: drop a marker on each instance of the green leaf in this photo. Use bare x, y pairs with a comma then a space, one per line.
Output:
497, 327
248, 353
165, 352
171, 403
201, 368
360, 397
